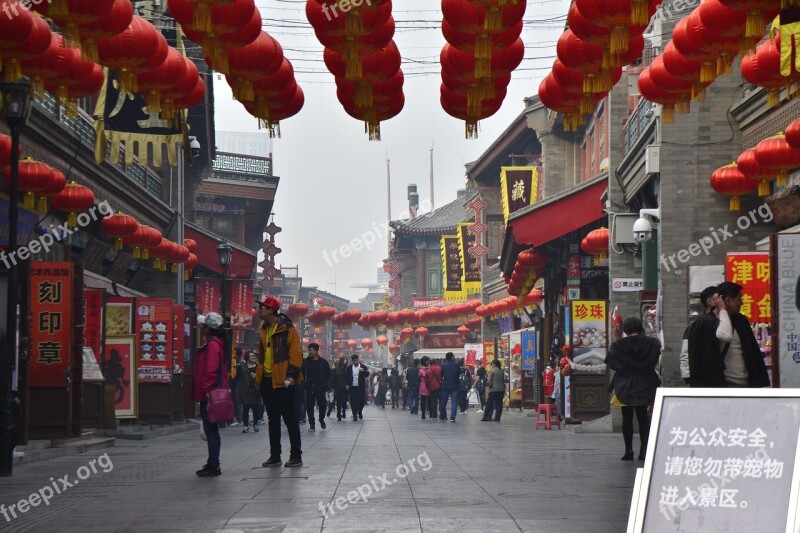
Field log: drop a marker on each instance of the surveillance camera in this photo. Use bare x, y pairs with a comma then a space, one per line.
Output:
194, 146
642, 230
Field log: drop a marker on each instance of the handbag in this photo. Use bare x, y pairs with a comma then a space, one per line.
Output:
220, 404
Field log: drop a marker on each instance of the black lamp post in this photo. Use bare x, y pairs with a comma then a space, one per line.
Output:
224, 254
14, 107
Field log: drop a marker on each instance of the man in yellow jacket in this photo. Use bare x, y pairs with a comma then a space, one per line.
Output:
279, 371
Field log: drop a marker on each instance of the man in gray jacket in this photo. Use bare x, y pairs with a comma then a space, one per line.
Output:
497, 389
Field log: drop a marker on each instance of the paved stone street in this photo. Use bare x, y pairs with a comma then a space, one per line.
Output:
476, 476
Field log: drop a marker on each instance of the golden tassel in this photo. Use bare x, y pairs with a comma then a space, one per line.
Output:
783, 177
29, 201
145, 253
137, 252
734, 204
619, 40
483, 68
363, 95
475, 108
202, 17
167, 109
127, 81
588, 83
118, 243
72, 220
153, 102
41, 205
37, 88
682, 106
773, 97
483, 46
754, 24
640, 14
473, 93
353, 25
274, 129
243, 90
608, 59
487, 89
72, 108
724, 61
668, 113
494, 19
764, 189
567, 122
708, 71
374, 131
57, 9
72, 35
13, 70
699, 92
471, 129
89, 49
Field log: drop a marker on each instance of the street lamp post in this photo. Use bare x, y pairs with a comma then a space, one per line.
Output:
224, 254
15, 107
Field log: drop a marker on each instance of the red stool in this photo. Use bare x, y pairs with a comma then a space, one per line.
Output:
550, 414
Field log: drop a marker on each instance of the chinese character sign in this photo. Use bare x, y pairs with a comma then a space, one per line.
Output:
473, 353
751, 270
154, 337
208, 295
529, 350
488, 353
51, 327
589, 335
241, 304
519, 187
470, 266
93, 320
451, 268
721, 463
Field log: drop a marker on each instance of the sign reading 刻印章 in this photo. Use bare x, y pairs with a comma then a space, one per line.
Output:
721, 460
51, 327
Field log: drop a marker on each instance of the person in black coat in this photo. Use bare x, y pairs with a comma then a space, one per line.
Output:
317, 373
355, 379
634, 359
395, 383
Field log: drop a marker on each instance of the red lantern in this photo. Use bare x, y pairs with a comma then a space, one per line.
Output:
758, 13
161, 78
118, 226
394, 349
792, 136
775, 153
190, 244
421, 332
154, 238
406, 333
23, 36
747, 163
256, 61
730, 180
472, 17
197, 94
137, 240
383, 340
189, 265
463, 331
34, 177
139, 48
5, 150
71, 199
533, 297
366, 343
110, 24
352, 344
406, 316
56, 184
652, 92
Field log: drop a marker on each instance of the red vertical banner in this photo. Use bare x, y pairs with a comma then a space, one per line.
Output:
154, 338
751, 270
207, 295
177, 337
51, 329
241, 303
93, 323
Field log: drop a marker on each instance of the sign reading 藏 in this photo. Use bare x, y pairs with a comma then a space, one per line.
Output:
721, 460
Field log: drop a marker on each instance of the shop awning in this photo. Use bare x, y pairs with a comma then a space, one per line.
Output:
243, 261
438, 353
98, 282
560, 214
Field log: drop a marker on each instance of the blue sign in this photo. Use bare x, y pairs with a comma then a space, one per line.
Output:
506, 324
26, 222
529, 350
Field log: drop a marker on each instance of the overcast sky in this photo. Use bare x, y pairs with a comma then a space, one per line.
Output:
333, 179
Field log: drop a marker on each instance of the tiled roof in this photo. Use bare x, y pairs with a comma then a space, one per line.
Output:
438, 222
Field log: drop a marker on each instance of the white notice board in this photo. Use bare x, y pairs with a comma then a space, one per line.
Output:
722, 460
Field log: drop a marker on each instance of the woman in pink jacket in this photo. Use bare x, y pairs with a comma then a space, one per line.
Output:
424, 393
210, 372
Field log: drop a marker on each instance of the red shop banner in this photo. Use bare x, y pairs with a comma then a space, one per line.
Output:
241, 303
207, 295
751, 271
444, 340
51, 330
177, 337
93, 323
154, 338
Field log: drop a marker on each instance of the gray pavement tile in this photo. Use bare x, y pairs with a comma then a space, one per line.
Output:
562, 526
474, 524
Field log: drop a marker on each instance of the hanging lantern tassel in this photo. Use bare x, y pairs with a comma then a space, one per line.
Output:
372, 125
483, 46
364, 96
734, 204
153, 102
174, 268
137, 252
353, 25
682, 106
640, 15
668, 114
274, 128
773, 97
486, 89
494, 19
89, 50
243, 90
471, 129
619, 40
57, 8
202, 17
145, 253
118, 243
754, 24
127, 81
29, 202
352, 60
708, 71
783, 178
483, 67
72, 219
186, 274
764, 189
157, 263
41, 205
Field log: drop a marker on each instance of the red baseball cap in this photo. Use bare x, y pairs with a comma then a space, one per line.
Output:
272, 303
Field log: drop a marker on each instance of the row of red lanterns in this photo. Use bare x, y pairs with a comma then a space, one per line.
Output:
603, 36
526, 271
509, 304
346, 319
321, 316
771, 160
229, 32
483, 48
361, 54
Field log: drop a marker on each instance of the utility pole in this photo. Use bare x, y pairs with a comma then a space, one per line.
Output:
388, 200
433, 206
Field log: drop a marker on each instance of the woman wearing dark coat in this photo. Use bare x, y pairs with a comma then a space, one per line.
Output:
395, 383
383, 387
634, 359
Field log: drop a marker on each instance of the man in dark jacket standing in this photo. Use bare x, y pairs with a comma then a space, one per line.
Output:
412, 378
450, 373
317, 372
355, 379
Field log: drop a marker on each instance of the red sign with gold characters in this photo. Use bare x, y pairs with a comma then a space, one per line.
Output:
154, 337
207, 295
751, 271
93, 323
241, 304
51, 329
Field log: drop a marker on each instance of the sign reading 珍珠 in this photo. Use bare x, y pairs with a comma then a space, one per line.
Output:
721, 460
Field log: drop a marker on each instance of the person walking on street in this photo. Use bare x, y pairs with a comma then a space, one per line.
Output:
497, 389
450, 373
433, 381
464, 385
412, 381
480, 387
339, 386
356, 376
250, 393
383, 388
316, 372
210, 372
633, 359
424, 393
280, 371
395, 382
